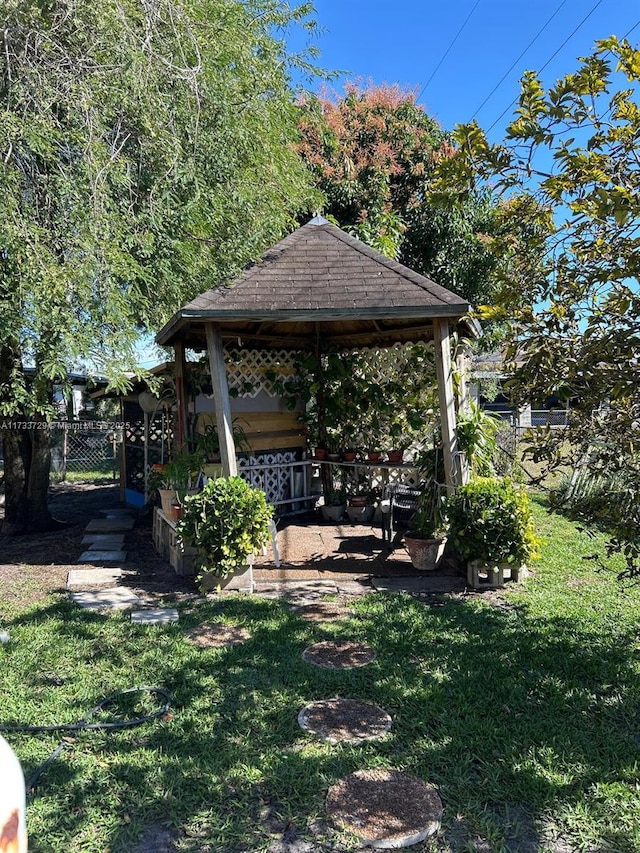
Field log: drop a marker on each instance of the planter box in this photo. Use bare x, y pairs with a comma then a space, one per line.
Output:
360, 514
425, 553
333, 513
240, 581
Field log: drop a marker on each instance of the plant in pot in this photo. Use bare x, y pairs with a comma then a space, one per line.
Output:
227, 522
174, 480
425, 540
335, 503
208, 442
490, 526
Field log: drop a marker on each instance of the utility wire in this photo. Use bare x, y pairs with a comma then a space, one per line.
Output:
448, 50
513, 65
551, 58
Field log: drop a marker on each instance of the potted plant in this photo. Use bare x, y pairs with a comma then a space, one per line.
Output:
208, 442
425, 540
335, 502
490, 526
227, 522
174, 480
360, 509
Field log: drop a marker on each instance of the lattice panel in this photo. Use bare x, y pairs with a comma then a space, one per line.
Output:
274, 482
385, 364
247, 369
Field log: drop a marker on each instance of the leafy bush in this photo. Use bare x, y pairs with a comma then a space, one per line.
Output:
490, 520
228, 521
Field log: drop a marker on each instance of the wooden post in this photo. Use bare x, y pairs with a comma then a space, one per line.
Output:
462, 368
455, 469
221, 396
181, 402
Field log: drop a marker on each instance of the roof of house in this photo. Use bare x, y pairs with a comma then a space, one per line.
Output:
318, 275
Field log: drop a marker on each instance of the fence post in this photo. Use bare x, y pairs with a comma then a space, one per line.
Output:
65, 451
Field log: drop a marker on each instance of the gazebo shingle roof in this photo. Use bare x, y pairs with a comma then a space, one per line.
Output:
317, 274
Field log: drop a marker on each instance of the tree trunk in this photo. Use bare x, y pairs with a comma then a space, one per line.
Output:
27, 455
27, 459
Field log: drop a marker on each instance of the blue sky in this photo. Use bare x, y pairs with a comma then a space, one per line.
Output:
406, 41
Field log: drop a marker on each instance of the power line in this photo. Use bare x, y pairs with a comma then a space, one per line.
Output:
551, 58
448, 50
511, 67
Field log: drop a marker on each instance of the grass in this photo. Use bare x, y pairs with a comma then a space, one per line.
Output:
525, 715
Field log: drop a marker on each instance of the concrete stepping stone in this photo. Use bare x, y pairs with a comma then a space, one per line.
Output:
107, 545
87, 578
344, 720
117, 511
102, 557
386, 809
106, 540
117, 598
110, 525
155, 616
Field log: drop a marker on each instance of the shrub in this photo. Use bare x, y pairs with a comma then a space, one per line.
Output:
490, 520
228, 522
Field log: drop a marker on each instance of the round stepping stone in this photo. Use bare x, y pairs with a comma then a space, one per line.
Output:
344, 720
386, 809
322, 611
218, 636
339, 655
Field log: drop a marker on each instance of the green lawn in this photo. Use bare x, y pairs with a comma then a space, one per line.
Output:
525, 715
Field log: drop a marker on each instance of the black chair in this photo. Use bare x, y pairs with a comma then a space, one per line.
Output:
399, 505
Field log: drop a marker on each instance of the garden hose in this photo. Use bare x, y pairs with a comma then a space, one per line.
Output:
84, 724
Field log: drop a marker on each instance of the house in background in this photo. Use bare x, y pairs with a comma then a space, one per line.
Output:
487, 389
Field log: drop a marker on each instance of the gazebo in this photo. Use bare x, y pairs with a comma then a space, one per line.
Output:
321, 288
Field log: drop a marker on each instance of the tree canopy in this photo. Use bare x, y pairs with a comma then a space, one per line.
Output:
570, 163
146, 153
373, 152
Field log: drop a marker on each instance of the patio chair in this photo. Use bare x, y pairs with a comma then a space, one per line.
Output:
399, 505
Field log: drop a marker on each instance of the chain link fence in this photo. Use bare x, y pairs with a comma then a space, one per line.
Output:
86, 451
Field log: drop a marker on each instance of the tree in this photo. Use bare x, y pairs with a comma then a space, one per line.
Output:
146, 153
373, 153
571, 163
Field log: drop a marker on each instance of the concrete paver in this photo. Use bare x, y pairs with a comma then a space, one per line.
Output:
155, 616
117, 598
106, 540
110, 525
102, 556
87, 578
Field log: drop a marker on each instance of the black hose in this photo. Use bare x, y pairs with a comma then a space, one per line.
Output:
84, 724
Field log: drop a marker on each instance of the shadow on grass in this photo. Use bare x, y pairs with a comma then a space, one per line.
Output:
515, 718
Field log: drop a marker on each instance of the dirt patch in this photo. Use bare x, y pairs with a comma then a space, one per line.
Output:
339, 655
34, 566
322, 611
218, 636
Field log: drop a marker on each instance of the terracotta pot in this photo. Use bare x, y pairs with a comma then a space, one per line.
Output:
333, 457
425, 553
374, 456
358, 501
349, 455
395, 456
320, 453
176, 512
